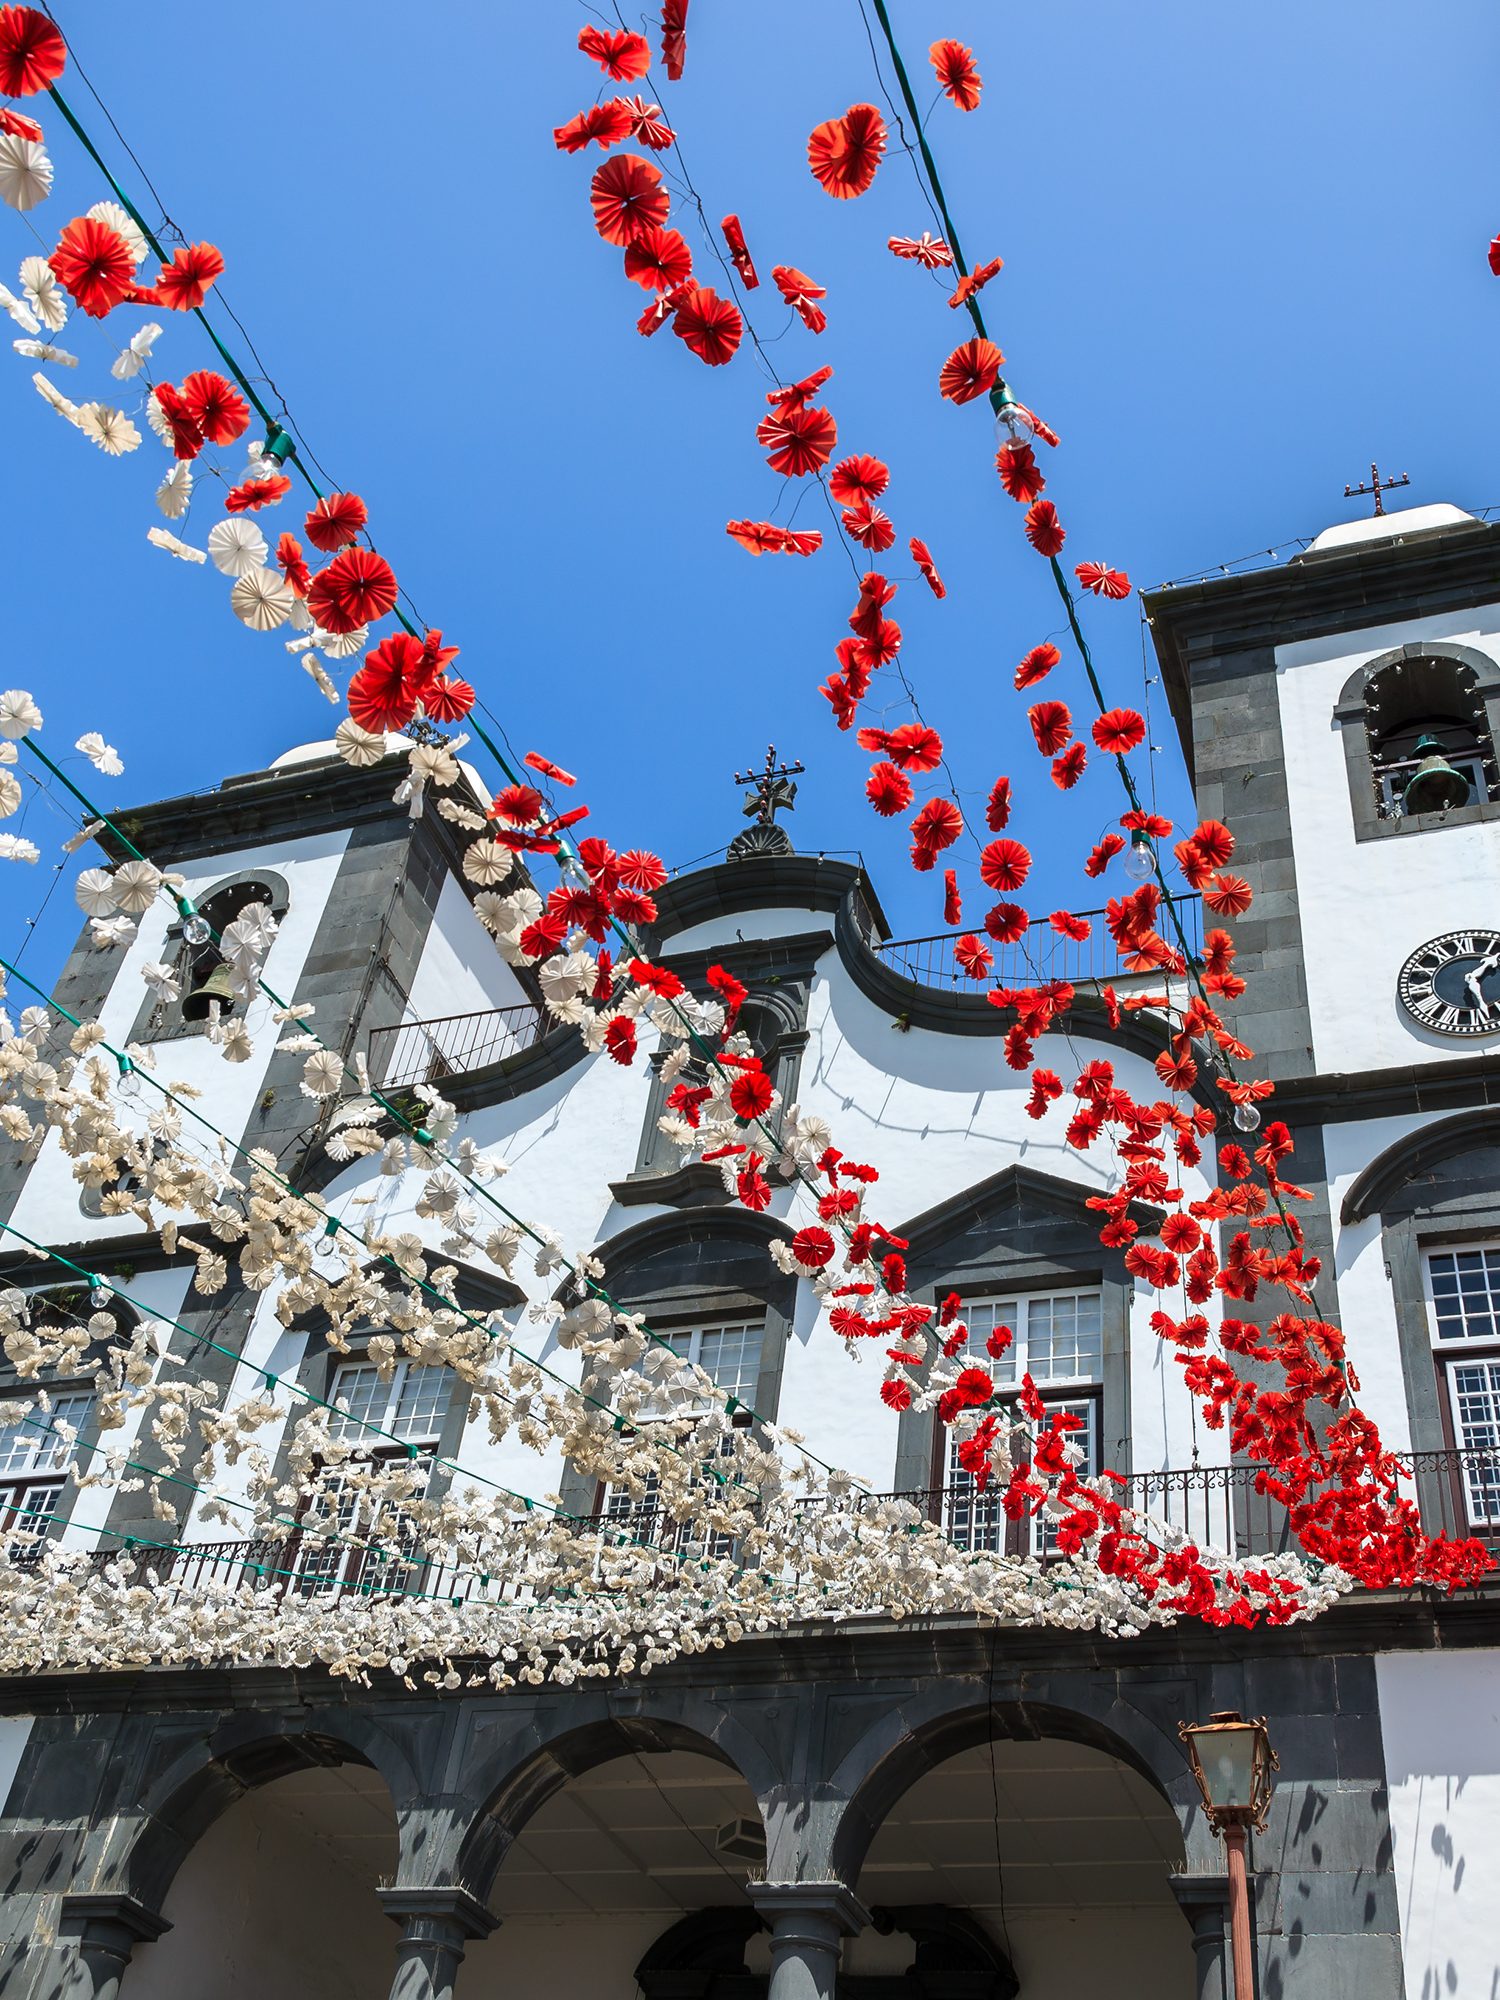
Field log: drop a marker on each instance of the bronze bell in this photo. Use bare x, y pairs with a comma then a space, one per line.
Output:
1434, 786
218, 986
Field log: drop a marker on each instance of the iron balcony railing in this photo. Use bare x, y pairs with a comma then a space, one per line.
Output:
430, 1051
1457, 1494
1040, 955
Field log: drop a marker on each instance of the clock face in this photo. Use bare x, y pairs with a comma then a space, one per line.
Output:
1451, 984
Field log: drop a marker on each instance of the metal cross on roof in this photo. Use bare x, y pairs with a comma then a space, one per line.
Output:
772, 789
1377, 486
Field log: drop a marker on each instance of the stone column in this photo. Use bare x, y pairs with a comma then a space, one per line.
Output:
808, 1922
107, 1928
436, 1924
1204, 1901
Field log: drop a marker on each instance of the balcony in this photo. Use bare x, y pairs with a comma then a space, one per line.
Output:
414, 1052
1039, 956
1457, 1493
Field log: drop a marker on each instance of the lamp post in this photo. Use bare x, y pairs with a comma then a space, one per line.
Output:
1232, 1761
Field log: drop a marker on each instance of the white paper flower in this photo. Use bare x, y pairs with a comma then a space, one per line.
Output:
176, 490
14, 848
358, 746
237, 546
324, 685
109, 933
19, 714
20, 312
25, 171
103, 756
251, 935
130, 360
114, 217
235, 1042
163, 538
156, 418
55, 397
162, 980
302, 618
43, 350
44, 294
136, 884
340, 645
488, 863
95, 891
10, 793
262, 599
110, 429
322, 1074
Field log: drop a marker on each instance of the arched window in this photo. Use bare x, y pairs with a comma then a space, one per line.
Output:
1406, 708
197, 964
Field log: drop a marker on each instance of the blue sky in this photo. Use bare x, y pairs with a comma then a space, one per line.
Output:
1244, 255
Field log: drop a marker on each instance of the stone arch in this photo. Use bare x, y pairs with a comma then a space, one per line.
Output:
1416, 1153
1450, 674
904, 1745
203, 1781
538, 1761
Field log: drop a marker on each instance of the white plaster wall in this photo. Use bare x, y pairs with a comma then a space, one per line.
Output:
460, 971
1440, 1722
48, 1206
1366, 905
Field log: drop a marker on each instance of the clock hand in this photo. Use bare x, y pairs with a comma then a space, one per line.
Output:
1489, 963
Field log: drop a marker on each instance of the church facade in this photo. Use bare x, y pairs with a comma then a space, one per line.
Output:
861, 1809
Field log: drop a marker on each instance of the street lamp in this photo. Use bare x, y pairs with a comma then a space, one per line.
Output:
1232, 1761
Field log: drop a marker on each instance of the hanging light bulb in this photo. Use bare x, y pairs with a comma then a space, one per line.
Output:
326, 1249
100, 1294
196, 929
1246, 1118
129, 1083
1014, 423
1140, 863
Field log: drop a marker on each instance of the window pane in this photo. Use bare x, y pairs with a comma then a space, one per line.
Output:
981, 1320
1062, 1338
731, 1357
1474, 1387
1465, 1293
34, 1445
358, 1384
422, 1393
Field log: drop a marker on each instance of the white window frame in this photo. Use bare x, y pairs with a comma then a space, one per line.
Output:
387, 1414
1478, 1467
1460, 1343
31, 1489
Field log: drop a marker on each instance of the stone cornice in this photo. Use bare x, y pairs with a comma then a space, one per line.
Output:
778, 881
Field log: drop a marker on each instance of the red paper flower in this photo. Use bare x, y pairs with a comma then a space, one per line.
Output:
252, 494
335, 521
739, 253
356, 588
619, 1040
293, 564
18, 125
870, 526
974, 281
1037, 664
888, 790
1044, 531
1068, 768
219, 411
1119, 730
997, 812
957, 73
446, 698
711, 326
602, 125
927, 250
1051, 725
922, 557
1101, 581
953, 904
858, 478
649, 126
798, 441
384, 693
94, 264
974, 959
32, 52
520, 804
1495, 255
750, 1094
896, 1395
1008, 923
627, 197
937, 825
795, 394
1102, 854
674, 37
1067, 925
1228, 895
800, 291
971, 370
1004, 865
184, 283
1019, 472
621, 55
187, 438
435, 653
844, 152
912, 745
659, 259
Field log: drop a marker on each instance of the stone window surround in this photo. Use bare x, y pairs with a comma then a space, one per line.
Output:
180, 1030
1350, 716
